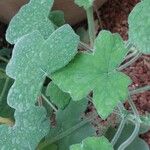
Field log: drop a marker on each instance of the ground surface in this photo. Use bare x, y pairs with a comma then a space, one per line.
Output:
114, 18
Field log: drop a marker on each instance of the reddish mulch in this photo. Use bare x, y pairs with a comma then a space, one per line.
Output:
114, 16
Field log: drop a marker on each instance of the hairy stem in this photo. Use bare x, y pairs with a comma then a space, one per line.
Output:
85, 47
133, 54
91, 25
49, 102
137, 126
140, 90
4, 88
119, 131
121, 126
129, 62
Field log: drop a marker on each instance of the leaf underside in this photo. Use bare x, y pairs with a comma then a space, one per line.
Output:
97, 72
139, 23
93, 143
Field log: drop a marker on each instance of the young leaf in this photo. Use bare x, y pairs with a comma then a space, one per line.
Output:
97, 72
57, 17
57, 96
31, 17
84, 3
93, 143
70, 129
139, 23
145, 124
31, 126
52, 54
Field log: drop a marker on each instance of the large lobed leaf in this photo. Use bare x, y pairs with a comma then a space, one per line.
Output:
33, 16
93, 143
97, 72
29, 75
52, 54
139, 23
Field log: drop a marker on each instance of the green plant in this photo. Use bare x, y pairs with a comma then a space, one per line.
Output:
44, 47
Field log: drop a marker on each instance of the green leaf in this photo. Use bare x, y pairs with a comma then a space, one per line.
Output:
137, 144
70, 129
97, 72
139, 23
84, 3
29, 75
76, 147
145, 124
31, 17
31, 126
57, 96
93, 143
57, 17
52, 54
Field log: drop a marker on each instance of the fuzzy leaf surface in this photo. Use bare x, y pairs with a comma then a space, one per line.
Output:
69, 122
93, 143
31, 17
52, 54
97, 72
57, 96
84, 3
30, 127
139, 23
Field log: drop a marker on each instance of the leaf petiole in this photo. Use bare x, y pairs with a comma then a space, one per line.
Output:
137, 126
4, 89
140, 90
130, 62
91, 24
49, 102
121, 126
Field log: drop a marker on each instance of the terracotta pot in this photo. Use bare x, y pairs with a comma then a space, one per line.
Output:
73, 14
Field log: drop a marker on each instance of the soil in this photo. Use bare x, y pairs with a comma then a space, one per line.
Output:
114, 16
